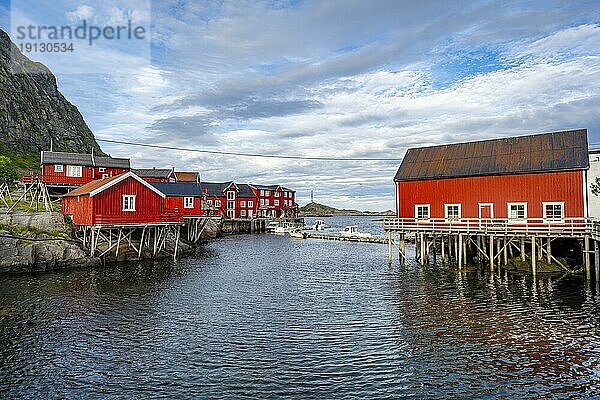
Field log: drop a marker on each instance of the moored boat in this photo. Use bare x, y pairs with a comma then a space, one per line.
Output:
352, 231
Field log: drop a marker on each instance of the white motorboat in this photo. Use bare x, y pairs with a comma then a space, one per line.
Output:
271, 226
284, 227
320, 225
352, 231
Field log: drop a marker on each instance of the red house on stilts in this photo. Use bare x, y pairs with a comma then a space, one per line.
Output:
490, 198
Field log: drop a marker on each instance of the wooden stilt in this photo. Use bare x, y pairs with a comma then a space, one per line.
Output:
492, 252
443, 249
586, 256
533, 256
389, 258
523, 249
460, 250
596, 261
548, 250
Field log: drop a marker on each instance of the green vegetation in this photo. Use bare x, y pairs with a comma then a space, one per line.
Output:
15, 230
596, 187
8, 172
321, 210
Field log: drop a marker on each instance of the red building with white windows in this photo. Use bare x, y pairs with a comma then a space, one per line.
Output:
275, 201
184, 198
518, 178
76, 169
119, 200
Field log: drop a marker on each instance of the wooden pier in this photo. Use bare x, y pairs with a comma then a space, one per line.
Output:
325, 236
494, 241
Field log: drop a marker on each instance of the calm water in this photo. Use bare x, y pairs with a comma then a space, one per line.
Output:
268, 317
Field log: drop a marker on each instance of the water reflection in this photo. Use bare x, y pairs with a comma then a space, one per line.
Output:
265, 316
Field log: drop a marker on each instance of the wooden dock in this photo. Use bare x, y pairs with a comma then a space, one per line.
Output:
325, 236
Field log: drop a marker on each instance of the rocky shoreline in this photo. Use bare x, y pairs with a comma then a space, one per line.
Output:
39, 242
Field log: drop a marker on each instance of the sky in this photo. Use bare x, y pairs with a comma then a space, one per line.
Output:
328, 78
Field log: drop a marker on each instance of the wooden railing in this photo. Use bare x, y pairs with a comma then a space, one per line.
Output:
496, 226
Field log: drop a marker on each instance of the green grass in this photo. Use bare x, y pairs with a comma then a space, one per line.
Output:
15, 230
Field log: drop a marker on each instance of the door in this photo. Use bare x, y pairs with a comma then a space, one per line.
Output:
486, 213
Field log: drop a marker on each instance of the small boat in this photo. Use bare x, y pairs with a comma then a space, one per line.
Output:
271, 226
352, 231
320, 225
284, 227
297, 234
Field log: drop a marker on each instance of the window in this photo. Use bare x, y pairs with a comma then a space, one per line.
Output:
104, 176
243, 204
250, 203
517, 211
101, 169
58, 168
209, 202
266, 202
218, 203
242, 213
422, 211
262, 192
452, 212
276, 203
128, 202
74, 171
230, 195
554, 211
188, 202
230, 205
277, 194
230, 214
262, 202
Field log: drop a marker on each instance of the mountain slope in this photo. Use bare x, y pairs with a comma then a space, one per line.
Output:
32, 110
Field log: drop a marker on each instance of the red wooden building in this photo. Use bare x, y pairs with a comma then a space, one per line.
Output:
275, 201
75, 169
184, 198
186, 176
215, 200
118, 200
518, 179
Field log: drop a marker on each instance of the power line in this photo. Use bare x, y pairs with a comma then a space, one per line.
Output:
230, 153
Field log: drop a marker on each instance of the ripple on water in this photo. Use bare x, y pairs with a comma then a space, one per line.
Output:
264, 316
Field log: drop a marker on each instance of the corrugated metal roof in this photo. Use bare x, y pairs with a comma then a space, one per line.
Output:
566, 150
110, 162
179, 188
60, 157
158, 173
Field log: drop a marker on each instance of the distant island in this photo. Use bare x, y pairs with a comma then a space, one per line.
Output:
320, 210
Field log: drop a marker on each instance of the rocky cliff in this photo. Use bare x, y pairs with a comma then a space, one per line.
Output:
32, 110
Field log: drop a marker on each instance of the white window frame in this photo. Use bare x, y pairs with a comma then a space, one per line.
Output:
186, 202
74, 171
516, 220
276, 203
262, 202
230, 195
243, 213
230, 205
59, 168
277, 194
446, 206
266, 202
218, 203
554, 203
262, 192
417, 206
243, 203
128, 202
250, 203
209, 202
230, 213
101, 169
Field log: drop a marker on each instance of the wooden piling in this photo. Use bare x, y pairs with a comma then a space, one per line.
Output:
533, 256
586, 256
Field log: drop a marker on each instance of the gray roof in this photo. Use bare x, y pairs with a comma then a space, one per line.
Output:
270, 187
60, 157
245, 190
110, 162
159, 173
214, 189
178, 189
555, 151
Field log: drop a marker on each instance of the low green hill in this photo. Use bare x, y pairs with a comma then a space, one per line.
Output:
321, 210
